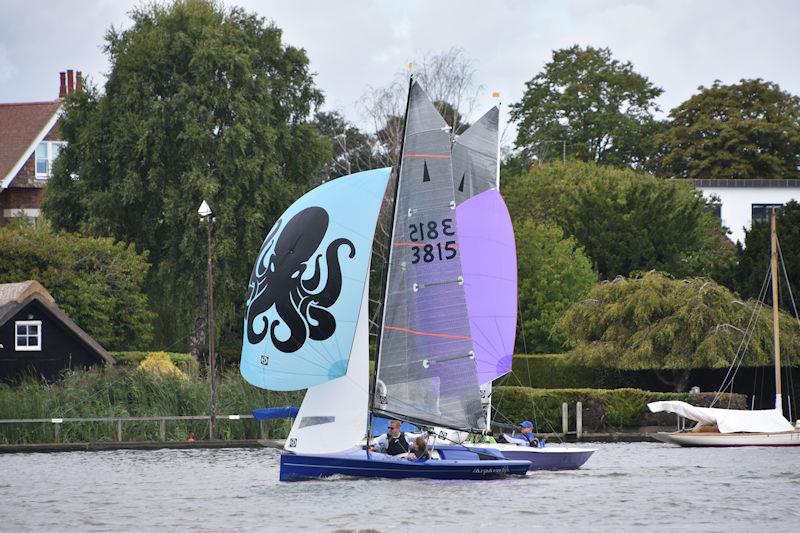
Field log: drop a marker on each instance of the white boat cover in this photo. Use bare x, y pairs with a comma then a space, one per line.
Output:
727, 420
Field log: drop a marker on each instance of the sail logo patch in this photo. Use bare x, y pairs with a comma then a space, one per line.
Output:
288, 279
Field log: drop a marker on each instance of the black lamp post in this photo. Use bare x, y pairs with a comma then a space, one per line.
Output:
206, 216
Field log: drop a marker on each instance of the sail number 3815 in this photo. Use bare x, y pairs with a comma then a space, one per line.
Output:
430, 230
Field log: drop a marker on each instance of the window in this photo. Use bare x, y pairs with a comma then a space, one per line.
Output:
46, 153
760, 212
28, 336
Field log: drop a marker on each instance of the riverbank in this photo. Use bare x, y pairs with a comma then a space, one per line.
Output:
586, 438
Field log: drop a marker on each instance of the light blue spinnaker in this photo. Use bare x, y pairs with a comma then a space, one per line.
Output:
305, 291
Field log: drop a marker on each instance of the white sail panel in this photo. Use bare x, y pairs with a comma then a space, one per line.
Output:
333, 415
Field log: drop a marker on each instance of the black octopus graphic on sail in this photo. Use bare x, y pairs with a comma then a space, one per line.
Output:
277, 280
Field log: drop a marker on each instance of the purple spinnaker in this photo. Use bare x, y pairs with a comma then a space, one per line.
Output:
489, 266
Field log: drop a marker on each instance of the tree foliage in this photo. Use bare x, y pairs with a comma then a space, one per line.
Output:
352, 150
754, 258
201, 102
652, 321
97, 283
553, 274
625, 220
747, 130
598, 106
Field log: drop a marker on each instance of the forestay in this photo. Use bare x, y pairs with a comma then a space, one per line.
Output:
426, 372
727, 420
305, 292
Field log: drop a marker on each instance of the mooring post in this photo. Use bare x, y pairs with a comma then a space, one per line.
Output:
578, 420
56, 431
564, 418
163, 430
263, 429
119, 430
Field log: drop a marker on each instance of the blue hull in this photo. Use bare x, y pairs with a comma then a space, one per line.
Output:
296, 467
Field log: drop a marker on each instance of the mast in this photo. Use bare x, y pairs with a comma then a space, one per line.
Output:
374, 384
775, 323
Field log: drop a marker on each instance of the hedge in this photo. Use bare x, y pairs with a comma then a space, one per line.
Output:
603, 409
184, 361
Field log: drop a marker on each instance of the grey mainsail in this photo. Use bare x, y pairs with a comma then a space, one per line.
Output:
475, 157
426, 371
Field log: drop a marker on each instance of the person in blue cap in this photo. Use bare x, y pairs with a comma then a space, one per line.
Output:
527, 430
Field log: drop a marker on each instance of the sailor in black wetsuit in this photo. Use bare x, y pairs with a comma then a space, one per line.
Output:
395, 442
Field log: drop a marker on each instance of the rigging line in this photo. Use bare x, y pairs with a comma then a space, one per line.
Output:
789, 376
742, 344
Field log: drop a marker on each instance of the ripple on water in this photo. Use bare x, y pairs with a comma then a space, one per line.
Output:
621, 486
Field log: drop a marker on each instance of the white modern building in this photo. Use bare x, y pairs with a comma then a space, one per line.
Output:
745, 200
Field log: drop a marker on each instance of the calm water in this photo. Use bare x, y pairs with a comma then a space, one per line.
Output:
641, 486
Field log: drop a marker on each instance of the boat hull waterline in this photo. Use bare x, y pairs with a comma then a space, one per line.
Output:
297, 467
720, 440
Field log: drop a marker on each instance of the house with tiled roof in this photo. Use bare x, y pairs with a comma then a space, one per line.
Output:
29, 144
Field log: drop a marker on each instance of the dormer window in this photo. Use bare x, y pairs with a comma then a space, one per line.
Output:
46, 154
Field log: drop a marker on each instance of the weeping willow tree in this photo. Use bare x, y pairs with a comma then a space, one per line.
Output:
652, 321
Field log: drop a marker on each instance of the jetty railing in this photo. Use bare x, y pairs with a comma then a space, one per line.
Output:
120, 420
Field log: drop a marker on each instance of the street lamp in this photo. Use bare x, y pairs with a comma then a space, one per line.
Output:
206, 216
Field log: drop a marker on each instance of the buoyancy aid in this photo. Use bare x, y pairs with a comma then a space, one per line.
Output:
396, 445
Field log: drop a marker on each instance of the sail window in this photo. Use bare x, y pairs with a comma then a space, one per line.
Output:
308, 421
28, 336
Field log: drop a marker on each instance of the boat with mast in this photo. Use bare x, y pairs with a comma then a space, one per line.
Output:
489, 264
306, 321
718, 427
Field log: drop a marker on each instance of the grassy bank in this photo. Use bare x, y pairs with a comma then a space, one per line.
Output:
127, 391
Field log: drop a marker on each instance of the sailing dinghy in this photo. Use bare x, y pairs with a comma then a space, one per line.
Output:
489, 266
735, 427
306, 321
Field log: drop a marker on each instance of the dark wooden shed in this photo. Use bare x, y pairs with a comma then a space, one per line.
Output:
37, 338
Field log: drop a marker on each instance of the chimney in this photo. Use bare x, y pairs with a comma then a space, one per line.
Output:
78, 82
62, 91
70, 81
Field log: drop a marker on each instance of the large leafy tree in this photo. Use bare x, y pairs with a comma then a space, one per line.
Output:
754, 258
96, 282
625, 220
589, 105
747, 130
655, 322
201, 102
553, 274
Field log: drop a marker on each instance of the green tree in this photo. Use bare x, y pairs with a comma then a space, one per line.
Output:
599, 107
747, 130
351, 149
754, 258
96, 282
553, 274
654, 322
625, 220
201, 102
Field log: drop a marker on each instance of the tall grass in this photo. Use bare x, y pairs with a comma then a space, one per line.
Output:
124, 391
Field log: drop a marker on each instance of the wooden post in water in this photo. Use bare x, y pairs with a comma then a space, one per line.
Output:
163, 430
578, 420
119, 430
263, 429
56, 431
564, 418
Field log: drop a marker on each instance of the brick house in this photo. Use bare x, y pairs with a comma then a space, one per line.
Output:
29, 143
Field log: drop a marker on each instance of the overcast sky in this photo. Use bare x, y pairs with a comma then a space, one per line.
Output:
678, 44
